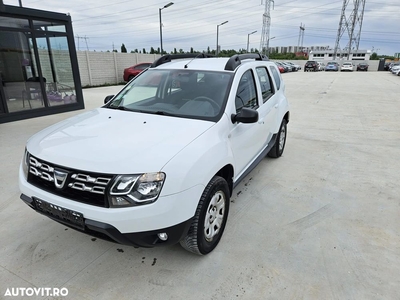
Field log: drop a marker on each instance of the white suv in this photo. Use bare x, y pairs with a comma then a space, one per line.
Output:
157, 164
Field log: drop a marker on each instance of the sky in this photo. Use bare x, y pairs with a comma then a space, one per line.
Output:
100, 25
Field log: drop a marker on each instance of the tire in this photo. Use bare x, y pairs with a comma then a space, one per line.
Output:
210, 218
277, 150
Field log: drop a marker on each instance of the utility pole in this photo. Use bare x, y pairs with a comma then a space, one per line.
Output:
352, 25
85, 38
301, 37
264, 43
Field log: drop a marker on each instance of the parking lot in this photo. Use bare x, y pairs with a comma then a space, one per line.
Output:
321, 222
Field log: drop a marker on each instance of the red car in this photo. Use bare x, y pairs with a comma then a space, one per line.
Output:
133, 71
281, 69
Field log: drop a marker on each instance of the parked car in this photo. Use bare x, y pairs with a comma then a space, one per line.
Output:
395, 69
281, 69
295, 67
311, 66
393, 65
321, 66
332, 66
157, 164
291, 66
347, 66
362, 67
387, 65
285, 67
135, 70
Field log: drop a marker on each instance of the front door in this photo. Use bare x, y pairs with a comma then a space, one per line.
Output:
247, 140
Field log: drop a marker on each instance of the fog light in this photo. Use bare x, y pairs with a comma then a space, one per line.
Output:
162, 236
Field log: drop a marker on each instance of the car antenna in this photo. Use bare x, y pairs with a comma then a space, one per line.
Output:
186, 66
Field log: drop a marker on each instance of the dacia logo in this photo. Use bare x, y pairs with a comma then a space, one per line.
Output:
60, 178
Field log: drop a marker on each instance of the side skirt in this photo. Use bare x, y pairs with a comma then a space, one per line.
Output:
257, 160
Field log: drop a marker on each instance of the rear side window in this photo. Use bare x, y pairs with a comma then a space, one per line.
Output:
276, 76
265, 82
246, 95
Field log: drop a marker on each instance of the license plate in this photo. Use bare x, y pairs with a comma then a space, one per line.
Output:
61, 214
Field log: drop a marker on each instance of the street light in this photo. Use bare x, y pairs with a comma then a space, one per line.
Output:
216, 51
248, 37
159, 10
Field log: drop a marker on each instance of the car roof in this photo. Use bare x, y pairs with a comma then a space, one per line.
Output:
207, 63
211, 64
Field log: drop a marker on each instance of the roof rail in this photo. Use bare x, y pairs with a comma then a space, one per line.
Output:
169, 57
236, 60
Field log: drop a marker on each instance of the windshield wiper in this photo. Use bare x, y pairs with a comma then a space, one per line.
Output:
120, 108
158, 112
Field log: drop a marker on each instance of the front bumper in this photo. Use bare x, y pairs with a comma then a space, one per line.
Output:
139, 225
146, 239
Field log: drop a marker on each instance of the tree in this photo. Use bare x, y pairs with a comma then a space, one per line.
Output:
152, 50
123, 49
144, 51
191, 50
175, 52
374, 56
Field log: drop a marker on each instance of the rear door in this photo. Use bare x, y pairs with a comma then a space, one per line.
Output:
268, 102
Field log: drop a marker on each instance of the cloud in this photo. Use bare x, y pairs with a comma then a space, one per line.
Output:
190, 23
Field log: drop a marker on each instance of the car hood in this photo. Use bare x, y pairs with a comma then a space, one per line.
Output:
117, 142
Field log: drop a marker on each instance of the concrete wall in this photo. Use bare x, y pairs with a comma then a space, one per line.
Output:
107, 68
103, 68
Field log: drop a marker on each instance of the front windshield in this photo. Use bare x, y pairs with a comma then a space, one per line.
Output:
183, 93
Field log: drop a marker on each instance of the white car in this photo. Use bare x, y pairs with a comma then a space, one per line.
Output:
347, 66
395, 69
157, 164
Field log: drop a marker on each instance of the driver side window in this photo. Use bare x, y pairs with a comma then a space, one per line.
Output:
246, 95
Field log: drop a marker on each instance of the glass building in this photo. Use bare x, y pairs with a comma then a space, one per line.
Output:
39, 72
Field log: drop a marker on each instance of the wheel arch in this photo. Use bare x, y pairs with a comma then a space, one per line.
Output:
287, 117
227, 173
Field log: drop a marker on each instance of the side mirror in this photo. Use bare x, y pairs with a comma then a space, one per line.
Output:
246, 115
108, 98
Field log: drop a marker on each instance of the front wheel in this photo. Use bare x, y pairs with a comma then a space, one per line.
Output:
210, 218
279, 146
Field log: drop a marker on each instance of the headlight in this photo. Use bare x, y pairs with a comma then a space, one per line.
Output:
25, 164
132, 190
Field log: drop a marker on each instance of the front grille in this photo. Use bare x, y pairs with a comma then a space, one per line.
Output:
86, 187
